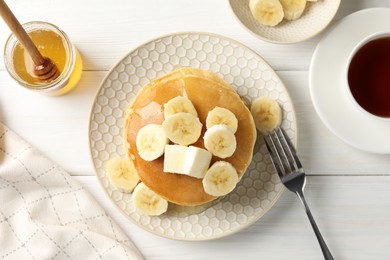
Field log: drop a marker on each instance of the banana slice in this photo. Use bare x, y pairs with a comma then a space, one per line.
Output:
222, 116
151, 141
148, 202
122, 174
220, 141
182, 128
267, 12
293, 9
220, 179
179, 105
266, 113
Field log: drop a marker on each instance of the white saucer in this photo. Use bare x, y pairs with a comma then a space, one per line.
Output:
326, 82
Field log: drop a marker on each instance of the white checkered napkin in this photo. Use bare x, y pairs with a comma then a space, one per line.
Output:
45, 214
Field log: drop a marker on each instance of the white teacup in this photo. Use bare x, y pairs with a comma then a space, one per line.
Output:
367, 67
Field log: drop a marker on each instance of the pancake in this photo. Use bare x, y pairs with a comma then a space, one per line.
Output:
206, 91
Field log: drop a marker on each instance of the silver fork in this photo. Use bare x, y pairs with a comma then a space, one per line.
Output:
292, 175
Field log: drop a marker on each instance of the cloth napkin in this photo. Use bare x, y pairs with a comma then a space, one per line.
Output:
45, 214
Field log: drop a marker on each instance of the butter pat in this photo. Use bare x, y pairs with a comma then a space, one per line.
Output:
197, 161
191, 161
174, 158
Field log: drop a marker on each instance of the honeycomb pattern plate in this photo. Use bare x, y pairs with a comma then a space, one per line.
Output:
239, 66
316, 16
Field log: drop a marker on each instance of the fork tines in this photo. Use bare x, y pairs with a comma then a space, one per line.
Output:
282, 152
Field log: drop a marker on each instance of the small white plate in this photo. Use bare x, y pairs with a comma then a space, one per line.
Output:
327, 78
315, 18
240, 67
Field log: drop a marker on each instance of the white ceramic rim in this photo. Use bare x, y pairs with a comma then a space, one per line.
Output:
227, 233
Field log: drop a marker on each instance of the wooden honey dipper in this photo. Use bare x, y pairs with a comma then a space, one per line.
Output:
44, 68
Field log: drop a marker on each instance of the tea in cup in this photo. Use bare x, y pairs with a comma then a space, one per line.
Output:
368, 75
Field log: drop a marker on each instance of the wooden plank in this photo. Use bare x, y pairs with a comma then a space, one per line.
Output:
57, 126
63, 121
105, 31
353, 214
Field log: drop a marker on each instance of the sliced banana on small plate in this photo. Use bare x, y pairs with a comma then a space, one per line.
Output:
122, 174
266, 113
151, 141
267, 12
220, 179
148, 202
293, 9
222, 116
272, 12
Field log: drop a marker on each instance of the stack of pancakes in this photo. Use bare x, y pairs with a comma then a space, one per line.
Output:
206, 91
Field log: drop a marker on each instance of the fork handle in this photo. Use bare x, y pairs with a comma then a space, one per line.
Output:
321, 241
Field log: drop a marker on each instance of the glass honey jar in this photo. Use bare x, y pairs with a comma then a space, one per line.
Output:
52, 43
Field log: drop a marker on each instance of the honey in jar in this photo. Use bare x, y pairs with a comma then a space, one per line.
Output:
52, 43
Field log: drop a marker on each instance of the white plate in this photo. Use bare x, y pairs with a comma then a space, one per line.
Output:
315, 18
242, 68
326, 82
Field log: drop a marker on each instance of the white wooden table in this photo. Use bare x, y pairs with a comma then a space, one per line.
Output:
348, 190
